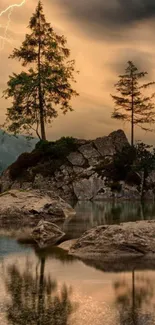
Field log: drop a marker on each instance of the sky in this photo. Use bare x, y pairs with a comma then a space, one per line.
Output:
102, 36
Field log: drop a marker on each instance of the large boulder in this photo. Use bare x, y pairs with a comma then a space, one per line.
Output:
88, 188
119, 139
109, 145
47, 233
105, 146
90, 153
28, 207
132, 239
76, 159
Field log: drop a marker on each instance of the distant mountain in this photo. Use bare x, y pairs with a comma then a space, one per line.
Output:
11, 147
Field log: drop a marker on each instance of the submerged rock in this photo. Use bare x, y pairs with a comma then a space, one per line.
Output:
47, 233
132, 239
28, 207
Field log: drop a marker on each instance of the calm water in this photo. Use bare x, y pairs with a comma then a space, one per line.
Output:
49, 287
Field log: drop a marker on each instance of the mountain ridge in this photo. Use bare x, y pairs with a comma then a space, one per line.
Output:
12, 146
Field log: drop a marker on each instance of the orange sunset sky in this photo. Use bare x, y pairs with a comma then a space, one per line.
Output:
102, 35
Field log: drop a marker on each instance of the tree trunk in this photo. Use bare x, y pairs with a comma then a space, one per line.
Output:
132, 114
142, 184
41, 105
132, 129
41, 293
42, 123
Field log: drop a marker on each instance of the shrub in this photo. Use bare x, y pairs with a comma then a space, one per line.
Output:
23, 162
123, 161
58, 149
133, 178
46, 154
116, 187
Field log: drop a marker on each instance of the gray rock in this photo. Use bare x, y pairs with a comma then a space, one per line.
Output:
76, 159
105, 146
78, 170
119, 139
117, 241
89, 151
47, 233
86, 189
66, 170
129, 192
108, 146
104, 194
28, 207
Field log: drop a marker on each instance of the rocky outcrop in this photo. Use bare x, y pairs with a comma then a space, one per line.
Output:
132, 239
81, 170
80, 175
27, 208
47, 233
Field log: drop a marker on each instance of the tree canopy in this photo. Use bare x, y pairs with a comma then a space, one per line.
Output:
39, 92
132, 105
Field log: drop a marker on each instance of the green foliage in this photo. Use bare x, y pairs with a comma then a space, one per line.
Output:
24, 161
38, 94
116, 187
132, 105
131, 161
145, 158
133, 178
123, 161
45, 158
58, 149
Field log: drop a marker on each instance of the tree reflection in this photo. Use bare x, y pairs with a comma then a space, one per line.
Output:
35, 299
130, 300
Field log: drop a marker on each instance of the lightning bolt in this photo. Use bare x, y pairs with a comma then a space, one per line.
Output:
6, 29
12, 6
9, 9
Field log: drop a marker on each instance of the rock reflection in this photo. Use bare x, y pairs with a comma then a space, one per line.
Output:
92, 214
36, 299
133, 302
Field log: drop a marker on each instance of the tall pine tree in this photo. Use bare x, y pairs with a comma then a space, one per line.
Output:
39, 92
132, 106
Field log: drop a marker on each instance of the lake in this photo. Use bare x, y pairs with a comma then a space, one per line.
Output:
50, 287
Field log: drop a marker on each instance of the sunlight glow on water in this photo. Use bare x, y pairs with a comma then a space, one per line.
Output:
57, 289
50, 287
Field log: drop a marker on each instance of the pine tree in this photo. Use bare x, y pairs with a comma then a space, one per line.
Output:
39, 92
132, 106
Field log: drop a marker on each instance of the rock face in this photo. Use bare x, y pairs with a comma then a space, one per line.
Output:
47, 233
76, 159
85, 172
132, 239
88, 188
26, 208
80, 175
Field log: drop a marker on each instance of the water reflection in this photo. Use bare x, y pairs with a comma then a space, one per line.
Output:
132, 300
36, 299
33, 292
91, 214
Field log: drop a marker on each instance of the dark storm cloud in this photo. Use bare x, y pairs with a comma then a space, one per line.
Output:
143, 61
110, 13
